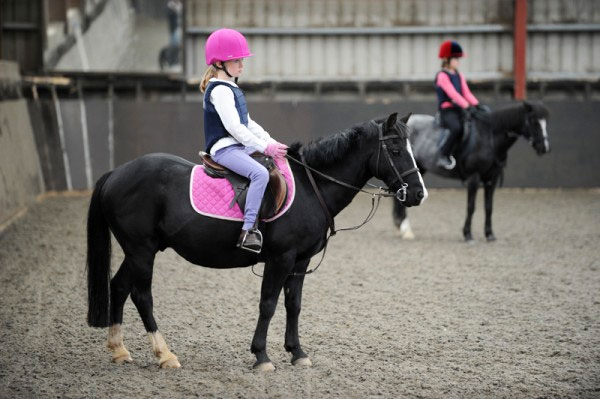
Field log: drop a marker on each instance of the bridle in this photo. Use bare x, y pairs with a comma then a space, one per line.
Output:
400, 194
526, 130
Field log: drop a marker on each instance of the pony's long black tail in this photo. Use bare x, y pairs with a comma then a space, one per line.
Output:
98, 260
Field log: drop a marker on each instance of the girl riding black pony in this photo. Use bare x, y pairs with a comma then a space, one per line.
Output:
455, 100
145, 203
481, 157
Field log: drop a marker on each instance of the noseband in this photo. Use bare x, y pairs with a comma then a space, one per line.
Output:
401, 192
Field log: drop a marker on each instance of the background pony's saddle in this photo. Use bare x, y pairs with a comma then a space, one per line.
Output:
468, 134
275, 193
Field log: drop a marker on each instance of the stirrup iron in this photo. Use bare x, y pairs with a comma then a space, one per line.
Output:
243, 245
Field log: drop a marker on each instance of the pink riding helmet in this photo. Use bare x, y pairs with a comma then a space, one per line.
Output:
225, 45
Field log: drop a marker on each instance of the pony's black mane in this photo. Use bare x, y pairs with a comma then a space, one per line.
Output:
331, 149
506, 117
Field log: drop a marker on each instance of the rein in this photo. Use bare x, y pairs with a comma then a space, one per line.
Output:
400, 194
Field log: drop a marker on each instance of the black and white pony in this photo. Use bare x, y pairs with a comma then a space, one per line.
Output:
481, 156
145, 203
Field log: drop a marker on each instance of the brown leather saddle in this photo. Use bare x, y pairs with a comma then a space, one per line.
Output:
275, 193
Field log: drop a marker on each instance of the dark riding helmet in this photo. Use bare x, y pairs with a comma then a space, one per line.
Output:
450, 49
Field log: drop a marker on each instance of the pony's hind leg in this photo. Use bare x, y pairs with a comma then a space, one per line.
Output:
166, 359
135, 277
120, 354
120, 286
141, 295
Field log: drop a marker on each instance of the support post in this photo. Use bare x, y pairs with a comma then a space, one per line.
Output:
111, 124
85, 137
520, 47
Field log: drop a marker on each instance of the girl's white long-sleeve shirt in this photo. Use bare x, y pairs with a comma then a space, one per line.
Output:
253, 136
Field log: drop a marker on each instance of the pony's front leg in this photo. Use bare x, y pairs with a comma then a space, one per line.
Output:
471, 196
141, 295
166, 358
401, 221
293, 303
489, 188
275, 273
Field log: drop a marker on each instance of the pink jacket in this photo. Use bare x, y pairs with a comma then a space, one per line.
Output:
464, 101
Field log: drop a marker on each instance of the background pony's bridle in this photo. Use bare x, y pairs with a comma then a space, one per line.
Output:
525, 131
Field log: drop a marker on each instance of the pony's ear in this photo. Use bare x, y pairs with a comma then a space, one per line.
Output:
391, 121
405, 118
528, 106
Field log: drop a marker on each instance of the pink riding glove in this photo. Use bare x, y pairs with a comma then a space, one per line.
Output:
276, 150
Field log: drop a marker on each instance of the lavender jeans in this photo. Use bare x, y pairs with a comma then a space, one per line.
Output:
237, 158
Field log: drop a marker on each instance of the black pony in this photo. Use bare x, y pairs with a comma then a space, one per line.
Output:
481, 157
146, 205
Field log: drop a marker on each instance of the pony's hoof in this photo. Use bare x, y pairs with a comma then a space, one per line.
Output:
490, 238
170, 364
122, 358
406, 235
264, 367
121, 355
469, 240
302, 362
405, 231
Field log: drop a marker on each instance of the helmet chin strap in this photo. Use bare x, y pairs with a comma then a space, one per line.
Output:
224, 68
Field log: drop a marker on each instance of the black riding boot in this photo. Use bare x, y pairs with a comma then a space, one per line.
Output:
445, 160
450, 118
250, 240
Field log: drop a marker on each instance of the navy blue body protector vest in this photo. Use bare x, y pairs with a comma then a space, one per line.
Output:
213, 126
441, 94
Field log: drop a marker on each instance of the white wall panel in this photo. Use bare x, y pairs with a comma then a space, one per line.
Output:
282, 36
506, 54
404, 51
553, 52
346, 55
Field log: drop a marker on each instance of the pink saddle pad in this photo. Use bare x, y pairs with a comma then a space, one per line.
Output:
211, 197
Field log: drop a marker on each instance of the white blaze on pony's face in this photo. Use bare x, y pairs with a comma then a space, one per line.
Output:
425, 193
538, 136
545, 133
